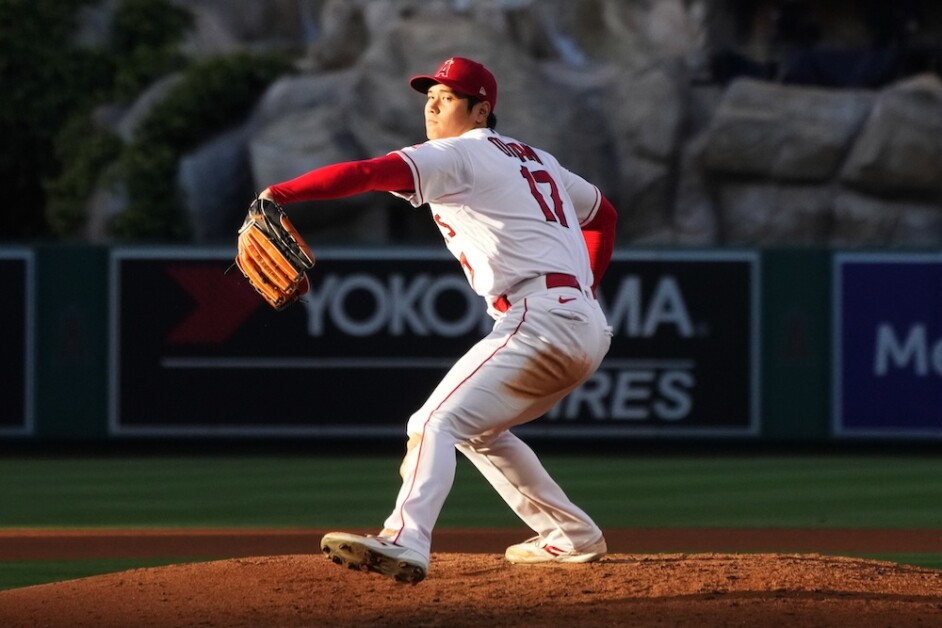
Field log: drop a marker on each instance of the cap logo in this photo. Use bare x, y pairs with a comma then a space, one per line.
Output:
446, 68
463, 76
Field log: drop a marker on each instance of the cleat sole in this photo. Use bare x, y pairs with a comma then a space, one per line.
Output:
361, 558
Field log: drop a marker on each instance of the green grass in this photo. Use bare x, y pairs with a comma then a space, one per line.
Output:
194, 492
825, 492
358, 492
292, 491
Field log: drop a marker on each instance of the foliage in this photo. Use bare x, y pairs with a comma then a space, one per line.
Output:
153, 211
84, 151
144, 41
148, 24
43, 78
211, 96
143, 46
60, 146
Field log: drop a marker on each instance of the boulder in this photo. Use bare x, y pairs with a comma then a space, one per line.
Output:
769, 214
695, 221
273, 22
867, 221
302, 141
109, 198
342, 37
783, 133
643, 201
299, 93
900, 148
606, 86
215, 184
144, 104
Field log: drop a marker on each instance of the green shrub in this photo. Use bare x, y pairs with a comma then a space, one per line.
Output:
140, 68
148, 24
84, 150
44, 78
212, 96
48, 83
153, 210
145, 35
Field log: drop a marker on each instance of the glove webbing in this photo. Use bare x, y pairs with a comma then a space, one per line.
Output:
271, 219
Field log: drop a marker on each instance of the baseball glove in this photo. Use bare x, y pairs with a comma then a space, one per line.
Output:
272, 256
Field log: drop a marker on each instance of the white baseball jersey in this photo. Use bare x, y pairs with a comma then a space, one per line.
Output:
508, 212
511, 215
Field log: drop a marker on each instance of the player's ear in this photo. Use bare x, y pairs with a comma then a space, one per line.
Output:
483, 110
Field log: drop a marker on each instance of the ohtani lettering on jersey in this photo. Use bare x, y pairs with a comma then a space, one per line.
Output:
512, 149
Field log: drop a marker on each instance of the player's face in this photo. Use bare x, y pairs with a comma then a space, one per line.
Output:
447, 115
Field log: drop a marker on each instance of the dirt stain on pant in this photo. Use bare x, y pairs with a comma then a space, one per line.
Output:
414, 440
548, 372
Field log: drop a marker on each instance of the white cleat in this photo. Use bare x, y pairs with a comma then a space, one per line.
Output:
372, 553
536, 551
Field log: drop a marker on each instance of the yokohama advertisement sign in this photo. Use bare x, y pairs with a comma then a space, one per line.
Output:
196, 352
16, 350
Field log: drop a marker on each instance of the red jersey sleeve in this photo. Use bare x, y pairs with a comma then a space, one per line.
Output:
382, 174
599, 236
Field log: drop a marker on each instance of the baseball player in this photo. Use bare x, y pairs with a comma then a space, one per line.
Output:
534, 240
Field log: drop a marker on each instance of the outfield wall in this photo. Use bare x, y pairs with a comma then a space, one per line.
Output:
773, 345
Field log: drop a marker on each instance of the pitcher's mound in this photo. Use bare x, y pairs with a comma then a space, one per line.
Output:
483, 590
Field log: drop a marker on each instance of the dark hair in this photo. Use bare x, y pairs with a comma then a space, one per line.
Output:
491, 118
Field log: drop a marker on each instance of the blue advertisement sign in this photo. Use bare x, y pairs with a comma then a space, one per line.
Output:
888, 345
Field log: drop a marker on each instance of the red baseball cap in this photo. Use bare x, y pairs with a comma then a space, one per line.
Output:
462, 75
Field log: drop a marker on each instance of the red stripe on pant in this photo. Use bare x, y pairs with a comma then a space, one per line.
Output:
418, 455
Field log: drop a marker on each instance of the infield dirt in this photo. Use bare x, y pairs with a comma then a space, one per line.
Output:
481, 589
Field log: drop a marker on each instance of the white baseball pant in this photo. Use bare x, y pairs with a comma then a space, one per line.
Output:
547, 344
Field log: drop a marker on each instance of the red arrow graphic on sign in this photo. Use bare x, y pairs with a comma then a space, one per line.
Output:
223, 302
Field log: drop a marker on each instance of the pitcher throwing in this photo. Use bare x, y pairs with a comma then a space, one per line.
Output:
534, 240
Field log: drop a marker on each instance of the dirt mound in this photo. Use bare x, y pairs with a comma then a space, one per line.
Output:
484, 590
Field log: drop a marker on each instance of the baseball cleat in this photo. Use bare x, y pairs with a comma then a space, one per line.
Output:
536, 551
372, 553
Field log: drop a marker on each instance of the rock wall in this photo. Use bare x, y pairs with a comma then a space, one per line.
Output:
611, 88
